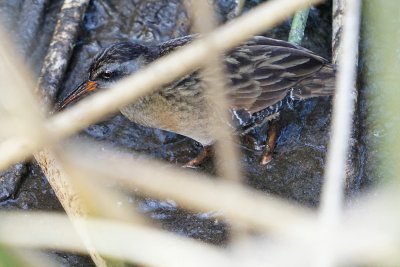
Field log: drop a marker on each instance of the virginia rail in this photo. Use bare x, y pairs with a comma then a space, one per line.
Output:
264, 75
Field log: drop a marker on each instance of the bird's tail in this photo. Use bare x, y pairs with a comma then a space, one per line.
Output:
322, 83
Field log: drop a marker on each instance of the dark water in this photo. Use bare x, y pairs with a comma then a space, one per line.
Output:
297, 168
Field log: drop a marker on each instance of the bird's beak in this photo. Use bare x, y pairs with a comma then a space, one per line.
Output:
83, 89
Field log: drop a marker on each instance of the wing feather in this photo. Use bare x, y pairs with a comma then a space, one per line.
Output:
273, 67
262, 71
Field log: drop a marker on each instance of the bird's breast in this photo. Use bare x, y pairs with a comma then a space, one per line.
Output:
177, 114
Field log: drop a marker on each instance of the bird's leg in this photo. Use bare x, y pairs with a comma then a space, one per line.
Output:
272, 136
200, 158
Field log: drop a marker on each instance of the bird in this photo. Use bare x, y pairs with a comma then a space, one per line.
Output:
263, 76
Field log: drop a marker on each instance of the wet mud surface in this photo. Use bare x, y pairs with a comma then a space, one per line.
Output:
296, 171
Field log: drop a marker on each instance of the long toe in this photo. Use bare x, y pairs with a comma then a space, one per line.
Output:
200, 158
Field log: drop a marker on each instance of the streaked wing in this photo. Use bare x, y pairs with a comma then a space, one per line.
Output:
263, 70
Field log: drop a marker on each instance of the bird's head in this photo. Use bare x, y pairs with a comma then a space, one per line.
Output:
111, 65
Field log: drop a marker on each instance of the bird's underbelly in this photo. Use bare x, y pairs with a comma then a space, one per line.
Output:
190, 121
189, 116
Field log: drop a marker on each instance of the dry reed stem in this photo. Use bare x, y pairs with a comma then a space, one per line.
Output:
100, 198
69, 199
360, 239
137, 244
23, 118
342, 117
213, 74
191, 190
53, 69
162, 71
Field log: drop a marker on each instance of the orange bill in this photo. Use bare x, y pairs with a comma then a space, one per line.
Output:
83, 89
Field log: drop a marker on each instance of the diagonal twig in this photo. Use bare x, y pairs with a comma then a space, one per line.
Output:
60, 49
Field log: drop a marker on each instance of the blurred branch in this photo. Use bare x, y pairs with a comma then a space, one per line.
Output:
137, 244
338, 10
162, 71
299, 23
69, 199
361, 239
213, 74
100, 199
54, 67
190, 190
342, 118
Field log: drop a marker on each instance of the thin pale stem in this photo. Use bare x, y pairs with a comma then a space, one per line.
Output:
343, 108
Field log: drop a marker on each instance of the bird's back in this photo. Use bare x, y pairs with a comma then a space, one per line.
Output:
265, 74
264, 71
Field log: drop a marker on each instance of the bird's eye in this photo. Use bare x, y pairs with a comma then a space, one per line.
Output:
106, 75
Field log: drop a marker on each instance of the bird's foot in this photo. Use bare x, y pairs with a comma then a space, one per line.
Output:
266, 157
272, 136
200, 158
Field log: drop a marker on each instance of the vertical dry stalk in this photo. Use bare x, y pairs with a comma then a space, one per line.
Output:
100, 199
216, 94
333, 188
338, 8
55, 64
69, 199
